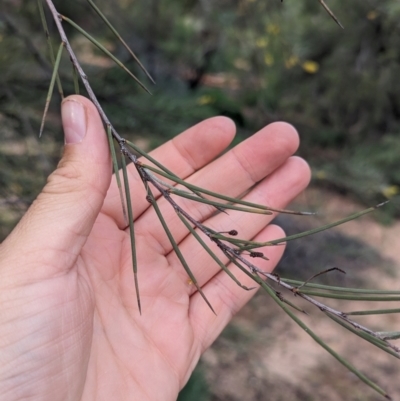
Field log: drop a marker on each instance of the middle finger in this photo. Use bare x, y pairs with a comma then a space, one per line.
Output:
231, 174
279, 189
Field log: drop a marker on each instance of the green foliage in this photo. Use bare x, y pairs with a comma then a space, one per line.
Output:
370, 172
254, 61
196, 388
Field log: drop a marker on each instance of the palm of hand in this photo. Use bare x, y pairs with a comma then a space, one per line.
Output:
94, 344
130, 353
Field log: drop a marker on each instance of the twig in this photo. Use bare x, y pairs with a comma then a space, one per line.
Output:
164, 189
234, 249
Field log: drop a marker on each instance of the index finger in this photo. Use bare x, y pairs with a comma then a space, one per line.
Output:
184, 154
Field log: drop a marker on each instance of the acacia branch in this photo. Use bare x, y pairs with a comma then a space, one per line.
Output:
234, 249
164, 189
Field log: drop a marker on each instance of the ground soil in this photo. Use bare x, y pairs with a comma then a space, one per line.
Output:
263, 355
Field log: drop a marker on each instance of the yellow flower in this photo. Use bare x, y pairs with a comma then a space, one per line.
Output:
269, 59
391, 191
320, 174
262, 42
273, 29
291, 62
205, 99
310, 66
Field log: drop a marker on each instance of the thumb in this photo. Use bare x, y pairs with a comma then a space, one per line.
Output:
56, 226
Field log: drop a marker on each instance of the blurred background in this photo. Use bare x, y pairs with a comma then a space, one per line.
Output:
255, 62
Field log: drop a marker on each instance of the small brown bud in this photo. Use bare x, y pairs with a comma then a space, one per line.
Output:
231, 232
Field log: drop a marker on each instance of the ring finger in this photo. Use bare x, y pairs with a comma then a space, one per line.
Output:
276, 191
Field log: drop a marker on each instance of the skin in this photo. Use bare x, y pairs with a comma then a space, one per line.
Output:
69, 323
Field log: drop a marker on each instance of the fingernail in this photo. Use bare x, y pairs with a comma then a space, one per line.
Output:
74, 121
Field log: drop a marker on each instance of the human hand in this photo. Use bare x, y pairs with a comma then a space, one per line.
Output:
69, 323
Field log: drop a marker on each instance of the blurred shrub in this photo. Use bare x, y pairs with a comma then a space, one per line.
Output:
252, 60
196, 388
